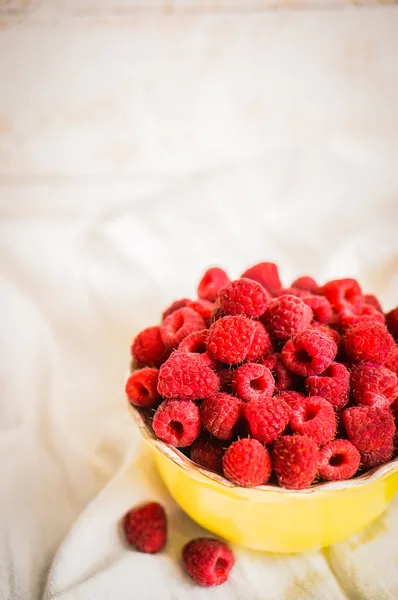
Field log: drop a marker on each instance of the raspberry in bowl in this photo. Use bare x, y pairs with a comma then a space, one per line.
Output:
272, 416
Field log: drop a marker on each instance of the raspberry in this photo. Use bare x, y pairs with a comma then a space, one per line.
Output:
373, 301
208, 453
267, 418
342, 293
141, 387
320, 307
333, 385
220, 415
392, 362
186, 376
373, 385
338, 460
203, 307
328, 330
230, 338
368, 427
368, 341
244, 297
145, 527
252, 381
212, 283
175, 306
359, 314
261, 344
309, 353
265, 273
208, 561
148, 348
295, 459
194, 342
392, 322
375, 458
247, 463
178, 325
315, 418
177, 422
306, 283
294, 400
287, 315
282, 377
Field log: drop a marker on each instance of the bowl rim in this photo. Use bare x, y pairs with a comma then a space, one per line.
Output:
185, 463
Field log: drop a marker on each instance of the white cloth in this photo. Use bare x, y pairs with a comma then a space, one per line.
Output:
134, 153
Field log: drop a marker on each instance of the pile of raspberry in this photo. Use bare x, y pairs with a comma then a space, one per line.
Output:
266, 384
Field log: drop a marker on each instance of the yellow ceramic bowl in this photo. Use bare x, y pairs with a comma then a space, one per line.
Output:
267, 517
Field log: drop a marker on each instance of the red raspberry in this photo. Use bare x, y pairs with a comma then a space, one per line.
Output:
309, 353
178, 325
148, 348
208, 561
261, 344
287, 315
247, 463
267, 418
208, 453
220, 415
186, 376
333, 385
282, 377
378, 457
392, 362
320, 307
368, 342
368, 427
145, 527
203, 307
295, 459
141, 387
315, 419
175, 306
373, 385
194, 342
338, 460
252, 381
392, 322
244, 297
306, 283
211, 284
230, 339
373, 301
177, 422
359, 314
265, 273
294, 400
328, 330
342, 293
